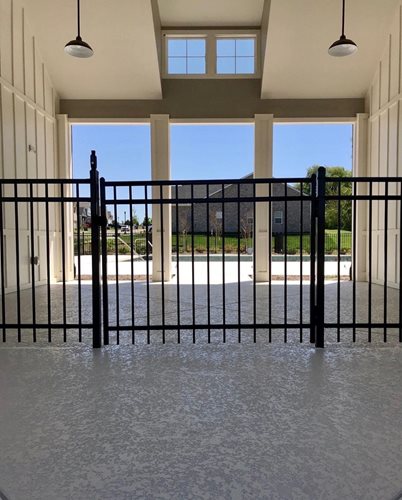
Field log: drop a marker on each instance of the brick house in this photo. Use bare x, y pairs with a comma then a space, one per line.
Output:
296, 218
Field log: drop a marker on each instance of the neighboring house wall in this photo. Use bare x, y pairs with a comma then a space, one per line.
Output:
384, 101
231, 210
27, 135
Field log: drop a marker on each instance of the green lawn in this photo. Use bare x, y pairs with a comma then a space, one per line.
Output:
231, 244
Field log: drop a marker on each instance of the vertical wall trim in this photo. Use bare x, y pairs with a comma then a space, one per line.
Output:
389, 68
34, 70
1, 135
24, 83
12, 41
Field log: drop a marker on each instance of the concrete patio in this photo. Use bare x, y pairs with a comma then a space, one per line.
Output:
205, 421
198, 294
236, 421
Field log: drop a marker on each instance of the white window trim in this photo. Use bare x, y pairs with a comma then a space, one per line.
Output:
211, 36
276, 217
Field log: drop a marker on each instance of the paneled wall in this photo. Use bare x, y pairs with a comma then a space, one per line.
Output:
27, 134
385, 153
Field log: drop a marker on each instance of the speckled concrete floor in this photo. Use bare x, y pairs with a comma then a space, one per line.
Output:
204, 422
185, 311
249, 421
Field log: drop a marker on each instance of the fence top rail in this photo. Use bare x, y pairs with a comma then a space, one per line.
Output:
45, 199
213, 201
225, 182
44, 181
363, 179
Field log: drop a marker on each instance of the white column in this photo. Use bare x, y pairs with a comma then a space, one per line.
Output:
360, 166
160, 157
65, 172
263, 137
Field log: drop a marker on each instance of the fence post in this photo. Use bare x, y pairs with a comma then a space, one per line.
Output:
320, 260
313, 238
95, 251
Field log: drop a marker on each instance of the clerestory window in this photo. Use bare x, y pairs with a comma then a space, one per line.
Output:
235, 56
211, 54
186, 56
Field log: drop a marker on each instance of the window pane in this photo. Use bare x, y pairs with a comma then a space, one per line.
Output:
225, 65
245, 65
225, 47
196, 65
245, 47
176, 48
196, 48
177, 66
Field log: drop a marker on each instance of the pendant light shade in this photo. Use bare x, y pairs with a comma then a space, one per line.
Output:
77, 47
344, 46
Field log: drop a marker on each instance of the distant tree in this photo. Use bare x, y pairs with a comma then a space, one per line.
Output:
246, 226
215, 223
135, 221
335, 188
184, 223
145, 221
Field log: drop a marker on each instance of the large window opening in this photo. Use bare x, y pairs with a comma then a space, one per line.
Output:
124, 153
299, 149
211, 151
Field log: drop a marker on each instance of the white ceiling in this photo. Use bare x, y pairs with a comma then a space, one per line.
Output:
125, 63
211, 12
297, 64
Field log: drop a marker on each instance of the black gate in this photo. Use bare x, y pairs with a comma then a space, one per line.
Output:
204, 246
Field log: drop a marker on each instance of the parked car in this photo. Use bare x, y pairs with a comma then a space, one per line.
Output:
125, 229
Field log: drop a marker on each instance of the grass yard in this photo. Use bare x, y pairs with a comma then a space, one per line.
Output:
232, 244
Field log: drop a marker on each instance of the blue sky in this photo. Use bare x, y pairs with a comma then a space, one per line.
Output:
208, 151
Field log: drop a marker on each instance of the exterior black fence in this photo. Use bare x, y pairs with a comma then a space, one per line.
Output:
206, 268
36, 261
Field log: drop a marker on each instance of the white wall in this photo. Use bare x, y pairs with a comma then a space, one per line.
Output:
384, 100
28, 103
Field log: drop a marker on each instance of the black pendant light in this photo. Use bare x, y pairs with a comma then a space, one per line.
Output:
344, 46
77, 47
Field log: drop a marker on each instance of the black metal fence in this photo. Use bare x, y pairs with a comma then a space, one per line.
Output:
62, 284
37, 263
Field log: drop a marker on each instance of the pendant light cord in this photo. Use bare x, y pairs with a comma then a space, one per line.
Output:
78, 17
343, 18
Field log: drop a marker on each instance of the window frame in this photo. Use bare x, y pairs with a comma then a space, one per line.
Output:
276, 217
211, 37
187, 37
235, 57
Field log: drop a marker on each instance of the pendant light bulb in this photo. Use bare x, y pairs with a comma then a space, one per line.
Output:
77, 47
344, 46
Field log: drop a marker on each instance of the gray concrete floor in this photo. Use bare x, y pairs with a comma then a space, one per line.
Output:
205, 421
233, 421
184, 308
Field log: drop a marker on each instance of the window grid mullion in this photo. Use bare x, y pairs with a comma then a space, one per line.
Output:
235, 55
186, 57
